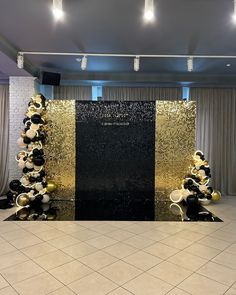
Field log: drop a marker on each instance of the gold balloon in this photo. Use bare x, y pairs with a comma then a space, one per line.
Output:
51, 186
216, 195
22, 200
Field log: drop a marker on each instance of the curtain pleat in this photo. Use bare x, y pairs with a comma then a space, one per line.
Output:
73, 92
4, 137
141, 93
216, 134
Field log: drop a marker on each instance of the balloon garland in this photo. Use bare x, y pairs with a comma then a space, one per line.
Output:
32, 190
195, 187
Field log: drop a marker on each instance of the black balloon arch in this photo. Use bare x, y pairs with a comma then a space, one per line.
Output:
33, 189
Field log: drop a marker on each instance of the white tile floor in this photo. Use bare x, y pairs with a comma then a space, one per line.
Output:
120, 258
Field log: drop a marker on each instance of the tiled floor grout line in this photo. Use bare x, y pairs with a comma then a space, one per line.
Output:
109, 254
9, 285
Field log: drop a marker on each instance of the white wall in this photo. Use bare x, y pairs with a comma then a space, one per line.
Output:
20, 92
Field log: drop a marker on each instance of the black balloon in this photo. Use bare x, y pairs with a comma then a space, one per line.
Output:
36, 119
210, 189
36, 152
32, 179
39, 197
14, 185
190, 182
38, 161
34, 139
27, 189
192, 200
27, 140
39, 179
201, 196
21, 189
25, 170
10, 196
25, 120
186, 186
42, 173
41, 136
209, 196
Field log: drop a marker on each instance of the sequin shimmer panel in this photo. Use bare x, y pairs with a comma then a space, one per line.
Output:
60, 149
175, 144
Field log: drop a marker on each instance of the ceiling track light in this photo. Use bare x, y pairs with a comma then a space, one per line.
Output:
136, 63
149, 11
84, 63
83, 56
190, 64
20, 60
57, 10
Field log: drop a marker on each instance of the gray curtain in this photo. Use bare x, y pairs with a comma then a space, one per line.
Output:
4, 133
73, 92
141, 93
216, 134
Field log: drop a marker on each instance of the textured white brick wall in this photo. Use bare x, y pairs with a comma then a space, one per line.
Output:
21, 89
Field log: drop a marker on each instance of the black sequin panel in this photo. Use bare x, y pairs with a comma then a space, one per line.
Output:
115, 165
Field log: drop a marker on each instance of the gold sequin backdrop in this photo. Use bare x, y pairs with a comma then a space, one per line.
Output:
175, 144
60, 147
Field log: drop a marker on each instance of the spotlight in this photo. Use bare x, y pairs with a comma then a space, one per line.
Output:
20, 60
234, 13
136, 63
84, 62
57, 10
149, 10
190, 63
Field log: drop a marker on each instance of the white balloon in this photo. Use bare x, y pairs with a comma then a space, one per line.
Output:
38, 168
203, 187
34, 126
185, 193
45, 207
24, 181
20, 142
30, 133
176, 196
21, 164
38, 99
38, 186
45, 199
30, 147
32, 197
29, 165
202, 172
197, 157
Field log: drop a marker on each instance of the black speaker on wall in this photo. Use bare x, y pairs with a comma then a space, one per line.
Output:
49, 78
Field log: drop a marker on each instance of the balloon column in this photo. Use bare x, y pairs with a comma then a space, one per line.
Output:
32, 189
195, 187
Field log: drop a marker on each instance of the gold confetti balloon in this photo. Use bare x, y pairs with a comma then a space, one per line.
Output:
51, 186
216, 196
22, 200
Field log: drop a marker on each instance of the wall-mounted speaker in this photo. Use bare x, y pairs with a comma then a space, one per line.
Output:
48, 78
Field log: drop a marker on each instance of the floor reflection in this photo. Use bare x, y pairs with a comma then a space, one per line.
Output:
114, 209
